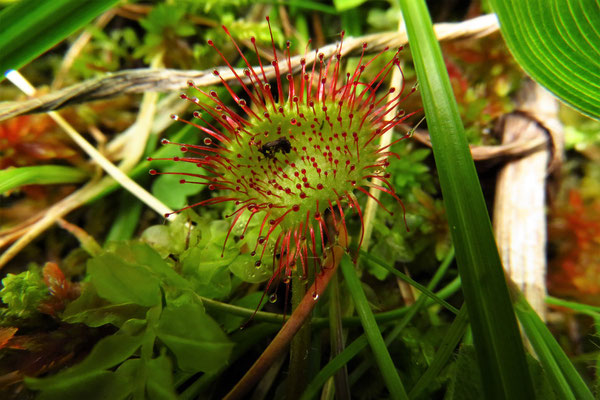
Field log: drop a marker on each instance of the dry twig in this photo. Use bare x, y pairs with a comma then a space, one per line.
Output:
519, 206
167, 80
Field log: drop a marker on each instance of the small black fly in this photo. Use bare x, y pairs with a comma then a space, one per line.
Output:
271, 148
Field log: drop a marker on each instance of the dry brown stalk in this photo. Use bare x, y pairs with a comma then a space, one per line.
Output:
168, 80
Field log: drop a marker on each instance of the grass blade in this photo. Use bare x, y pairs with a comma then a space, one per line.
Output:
497, 340
12, 178
451, 340
586, 309
561, 373
380, 352
334, 365
426, 291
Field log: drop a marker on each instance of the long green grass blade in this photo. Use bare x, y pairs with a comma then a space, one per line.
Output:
427, 292
587, 309
414, 309
380, 352
126, 220
557, 42
359, 343
499, 347
561, 373
334, 365
12, 178
30, 27
442, 356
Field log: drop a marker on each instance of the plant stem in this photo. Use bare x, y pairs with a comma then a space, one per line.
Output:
285, 335
215, 306
342, 389
299, 348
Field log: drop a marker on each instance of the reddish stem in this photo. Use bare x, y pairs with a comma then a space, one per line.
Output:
282, 340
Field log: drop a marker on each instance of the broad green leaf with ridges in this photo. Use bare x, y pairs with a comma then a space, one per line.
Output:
557, 42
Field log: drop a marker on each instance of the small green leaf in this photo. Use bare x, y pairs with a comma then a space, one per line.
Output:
343, 5
160, 379
164, 239
164, 17
93, 311
99, 385
133, 371
108, 352
197, 341
167, 188
152, 380
90, 378
144, 255
120, 282
209, 276
175, 237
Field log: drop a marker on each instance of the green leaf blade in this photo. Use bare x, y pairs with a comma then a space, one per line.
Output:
160, 379
195, 338
500, 351
561, 373
91, 310
557, 42
373, 334
12, 178
30, 27
90, 378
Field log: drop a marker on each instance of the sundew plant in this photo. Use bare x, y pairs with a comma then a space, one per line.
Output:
296, 161
248, 200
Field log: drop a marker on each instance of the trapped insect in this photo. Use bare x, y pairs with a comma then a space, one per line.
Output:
280, 144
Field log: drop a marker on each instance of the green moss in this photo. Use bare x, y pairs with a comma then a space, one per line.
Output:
23, 293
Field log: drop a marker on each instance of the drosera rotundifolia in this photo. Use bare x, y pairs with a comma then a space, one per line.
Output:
295, 153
